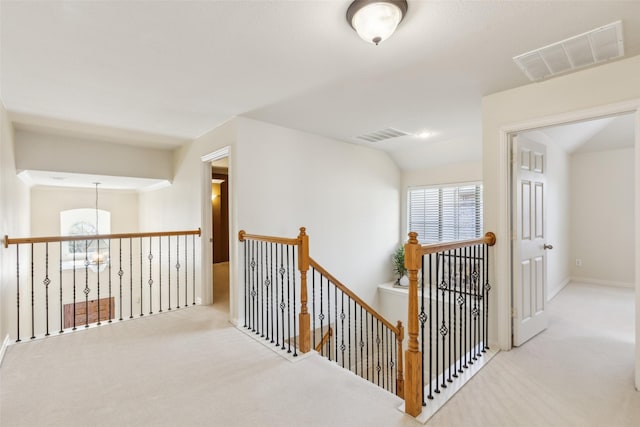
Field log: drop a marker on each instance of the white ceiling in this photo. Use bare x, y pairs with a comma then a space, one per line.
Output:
167, 72
80, 180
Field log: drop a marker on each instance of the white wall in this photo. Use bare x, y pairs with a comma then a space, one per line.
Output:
14, 218
281, 179
48, 202
48, 152
602, 226
447, 174
571, 97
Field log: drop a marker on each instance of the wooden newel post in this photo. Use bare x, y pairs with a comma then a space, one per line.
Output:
303, 266
413, 357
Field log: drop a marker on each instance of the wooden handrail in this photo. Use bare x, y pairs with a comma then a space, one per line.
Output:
488, 239
53, 239
353, 296
324, 340
242, 236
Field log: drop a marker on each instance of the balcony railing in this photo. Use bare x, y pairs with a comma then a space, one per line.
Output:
63, 283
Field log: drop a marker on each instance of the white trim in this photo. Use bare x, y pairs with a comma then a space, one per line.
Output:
3, 348
555, 290
613, 283
217, 155
503, 246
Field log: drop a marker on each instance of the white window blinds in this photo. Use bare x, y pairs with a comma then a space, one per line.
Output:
445, 213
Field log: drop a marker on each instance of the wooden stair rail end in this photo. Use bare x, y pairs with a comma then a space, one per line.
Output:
413, 357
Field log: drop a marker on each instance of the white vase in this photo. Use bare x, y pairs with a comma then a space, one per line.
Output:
404, 281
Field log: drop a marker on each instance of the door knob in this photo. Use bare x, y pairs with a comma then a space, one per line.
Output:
547, 246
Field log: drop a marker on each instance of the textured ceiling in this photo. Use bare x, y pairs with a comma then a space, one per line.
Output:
162, 73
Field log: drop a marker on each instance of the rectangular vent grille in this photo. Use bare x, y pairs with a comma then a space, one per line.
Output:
381, 135
592, 47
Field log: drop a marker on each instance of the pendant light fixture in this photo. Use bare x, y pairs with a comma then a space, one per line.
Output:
376, 20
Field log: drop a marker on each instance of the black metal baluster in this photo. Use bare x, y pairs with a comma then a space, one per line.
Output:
97, 260
130, 277
252, 305
481, 296
177, 272
431, 323
430, 396
246, 281
273, 312
487, 288
60, 270
282, 304
349, 328
261, 284
150, 282
467, 343
169, 275
313, 305
267, 284
342, 316
460, 302
335, 317
423, 318
295, 318
186, 272
46, 283
111, 314
451, 267
33, 333
120, 273
160, 273
277, 314
453, 302
321, 317
378, 368
18, 292
475, 303
366, 339
74, 289
361, 345
141, 272
288, 302
86, 283
329, 319
193, 268
443, 327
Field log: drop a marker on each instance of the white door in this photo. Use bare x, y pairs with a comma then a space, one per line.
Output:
529, 245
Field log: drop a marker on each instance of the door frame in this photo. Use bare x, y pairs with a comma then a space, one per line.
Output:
206, 226
503, 270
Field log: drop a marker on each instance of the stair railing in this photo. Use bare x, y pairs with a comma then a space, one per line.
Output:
450, 317
68, 282
345, 329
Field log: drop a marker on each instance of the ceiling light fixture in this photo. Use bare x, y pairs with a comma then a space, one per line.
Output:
376, 20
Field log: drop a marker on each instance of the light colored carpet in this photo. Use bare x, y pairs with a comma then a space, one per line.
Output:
190, 367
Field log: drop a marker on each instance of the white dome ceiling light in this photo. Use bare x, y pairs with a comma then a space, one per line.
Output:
376, 20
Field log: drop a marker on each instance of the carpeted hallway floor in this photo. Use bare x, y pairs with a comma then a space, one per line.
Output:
191, 367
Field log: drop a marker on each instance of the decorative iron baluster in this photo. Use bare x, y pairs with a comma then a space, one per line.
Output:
169, 275
451, 267
260, 287
329, 319
378, 368
295, 318
422, 317
277, 317
487, 288
18, 292
74, 290
177, 272
141, 272
86, 283
97, 259
33, 334
186, 272
130, 278
335, 316
342, 316
110, 304
288, 304
349, 329
160, 272
46, 283
282, 304
321, 317
273, 312
60, 270
431, 323
150, 257
193, 268
313, 305
120, 274
361, 343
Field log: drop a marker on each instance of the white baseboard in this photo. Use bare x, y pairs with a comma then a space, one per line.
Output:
603, 282
3, 348
553, 291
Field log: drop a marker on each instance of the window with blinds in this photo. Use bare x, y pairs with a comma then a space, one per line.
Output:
445, 213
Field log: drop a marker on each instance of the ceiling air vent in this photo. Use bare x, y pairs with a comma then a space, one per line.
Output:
381, 135
592, 47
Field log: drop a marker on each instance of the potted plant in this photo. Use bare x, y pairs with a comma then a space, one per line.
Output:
398, 267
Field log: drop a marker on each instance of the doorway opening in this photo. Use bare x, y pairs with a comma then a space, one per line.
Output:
578, 214
220, 232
